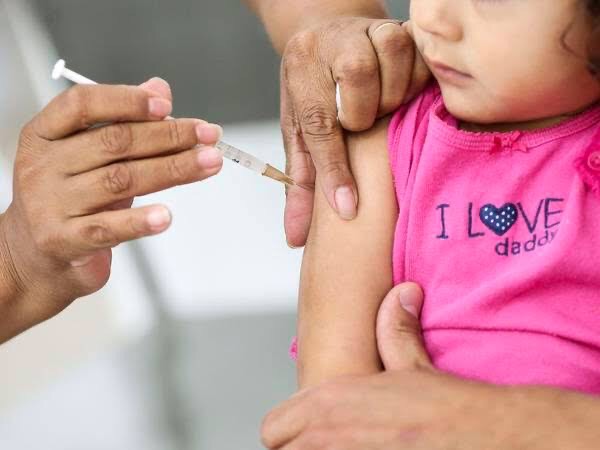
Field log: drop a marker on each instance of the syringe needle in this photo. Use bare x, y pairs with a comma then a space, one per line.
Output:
278, 175
228, 151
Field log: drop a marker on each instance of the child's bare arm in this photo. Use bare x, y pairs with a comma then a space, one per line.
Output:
347, 270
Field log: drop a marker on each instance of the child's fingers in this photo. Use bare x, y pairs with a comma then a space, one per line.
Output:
111, 228
81, 106
101, 146
91, 191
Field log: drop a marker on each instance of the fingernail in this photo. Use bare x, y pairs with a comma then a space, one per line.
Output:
159, 107
411, 300
209, 133
209, 158
158, 218
157, 84
345, 203
293, 247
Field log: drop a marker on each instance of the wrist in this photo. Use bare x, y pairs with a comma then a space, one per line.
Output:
13, 291
542, 418
28, 294
12, 287
283, 20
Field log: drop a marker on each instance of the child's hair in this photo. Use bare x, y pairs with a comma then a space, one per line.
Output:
594, 44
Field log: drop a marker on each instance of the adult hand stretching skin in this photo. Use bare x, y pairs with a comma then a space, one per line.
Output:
371, 57
74, 184
411, 406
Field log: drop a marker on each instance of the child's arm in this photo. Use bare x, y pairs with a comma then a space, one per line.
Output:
347, 270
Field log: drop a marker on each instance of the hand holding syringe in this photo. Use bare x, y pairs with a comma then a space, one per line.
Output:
228, 151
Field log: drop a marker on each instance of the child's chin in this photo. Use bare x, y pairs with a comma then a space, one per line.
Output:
465, 112
470, 115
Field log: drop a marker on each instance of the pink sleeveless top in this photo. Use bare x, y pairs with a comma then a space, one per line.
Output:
502, 230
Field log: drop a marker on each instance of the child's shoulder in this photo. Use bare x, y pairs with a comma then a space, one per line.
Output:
414, 115
418, 107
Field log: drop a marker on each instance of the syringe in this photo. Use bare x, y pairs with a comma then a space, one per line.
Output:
228, 151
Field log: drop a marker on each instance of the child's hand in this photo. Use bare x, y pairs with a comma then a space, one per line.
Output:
74, 183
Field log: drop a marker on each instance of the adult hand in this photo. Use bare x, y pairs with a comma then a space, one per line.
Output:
377, 68
79, 164
411, 406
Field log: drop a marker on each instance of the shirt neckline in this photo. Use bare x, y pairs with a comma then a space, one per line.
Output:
444, 127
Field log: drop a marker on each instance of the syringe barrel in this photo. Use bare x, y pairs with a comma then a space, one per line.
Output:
241, 158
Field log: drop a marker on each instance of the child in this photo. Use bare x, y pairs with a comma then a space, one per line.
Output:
491, 205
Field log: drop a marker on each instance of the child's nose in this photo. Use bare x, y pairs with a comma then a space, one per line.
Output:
438, 17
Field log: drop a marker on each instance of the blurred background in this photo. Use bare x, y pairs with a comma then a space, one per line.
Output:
186, 348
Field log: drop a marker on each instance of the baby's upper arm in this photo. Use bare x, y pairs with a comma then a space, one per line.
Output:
347, 269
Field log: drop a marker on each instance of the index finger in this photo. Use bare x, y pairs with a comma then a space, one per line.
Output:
286, 422
83, 106
324, 139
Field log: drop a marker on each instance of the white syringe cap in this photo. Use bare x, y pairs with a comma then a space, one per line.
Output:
59, 69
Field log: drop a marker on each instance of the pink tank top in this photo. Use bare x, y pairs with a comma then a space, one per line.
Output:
502, 230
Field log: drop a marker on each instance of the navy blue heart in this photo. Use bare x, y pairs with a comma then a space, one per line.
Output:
499, 220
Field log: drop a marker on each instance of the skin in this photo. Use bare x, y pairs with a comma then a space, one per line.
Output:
338, 335
342, 285
71, 206
74, 184
478, 38
411, 406
346, 266
372, 58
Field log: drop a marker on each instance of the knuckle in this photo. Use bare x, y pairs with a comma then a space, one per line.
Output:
358, 70
117, 139
319, 122
24, 173
118, 179
394, 40
300, 47
26, 136
28, 142
176, 169
47, 242
175, 133
98, 234
333, 168
407, 328
136, 226
135, 99
76, 101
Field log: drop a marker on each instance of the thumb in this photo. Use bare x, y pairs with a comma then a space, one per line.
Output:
158, 86
399, 337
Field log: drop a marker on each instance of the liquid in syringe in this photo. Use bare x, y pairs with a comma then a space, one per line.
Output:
227, 151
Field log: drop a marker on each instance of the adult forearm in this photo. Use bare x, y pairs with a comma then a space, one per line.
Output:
283, 19
549, 419
12, 292
27, 297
